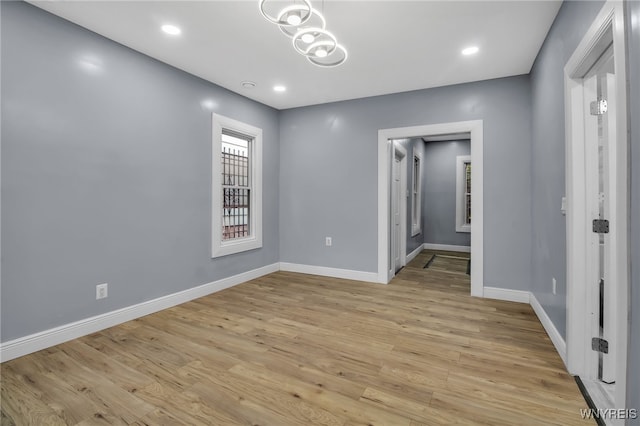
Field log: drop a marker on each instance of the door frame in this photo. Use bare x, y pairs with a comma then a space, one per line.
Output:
475, 129
400, 152
607, 28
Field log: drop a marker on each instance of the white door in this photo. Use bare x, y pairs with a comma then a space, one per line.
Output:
600, 143
398, 207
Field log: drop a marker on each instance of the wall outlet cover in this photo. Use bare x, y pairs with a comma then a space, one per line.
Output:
102, 291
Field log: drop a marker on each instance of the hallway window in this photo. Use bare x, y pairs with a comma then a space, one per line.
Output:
416, 198
463, 193
236, 187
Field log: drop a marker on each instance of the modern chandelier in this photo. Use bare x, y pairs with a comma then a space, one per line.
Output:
307, 29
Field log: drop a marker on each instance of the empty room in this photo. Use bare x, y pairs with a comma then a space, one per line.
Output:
319, 212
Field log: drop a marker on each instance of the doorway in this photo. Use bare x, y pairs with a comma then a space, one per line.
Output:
597, 210
386, 152
600, 137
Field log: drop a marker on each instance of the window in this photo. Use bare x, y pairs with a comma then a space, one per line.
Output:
416, 197
463, 193
236, 187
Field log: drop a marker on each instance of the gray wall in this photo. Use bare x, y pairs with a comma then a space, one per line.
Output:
106, 175
633, 380
548, 156
329, 158
439, 193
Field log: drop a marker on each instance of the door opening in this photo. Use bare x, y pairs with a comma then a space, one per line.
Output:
386, 160
600, 134
597, 210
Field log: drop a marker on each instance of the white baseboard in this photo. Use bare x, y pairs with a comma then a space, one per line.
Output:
54, 336
552, 331
346, 274
446, 247
506, 294
414, 253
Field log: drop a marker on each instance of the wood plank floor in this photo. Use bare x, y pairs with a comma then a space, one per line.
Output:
293, 349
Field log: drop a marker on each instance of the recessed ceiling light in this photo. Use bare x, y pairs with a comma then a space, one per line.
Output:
279, 88
248, 84
471, 50
171, 29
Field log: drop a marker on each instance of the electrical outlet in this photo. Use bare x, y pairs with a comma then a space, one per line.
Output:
102, 291
553, 285
328, 241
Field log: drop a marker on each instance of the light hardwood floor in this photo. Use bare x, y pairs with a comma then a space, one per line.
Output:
293, 349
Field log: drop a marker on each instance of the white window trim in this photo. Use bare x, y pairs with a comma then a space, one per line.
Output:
416, 197
460, 195
254, 240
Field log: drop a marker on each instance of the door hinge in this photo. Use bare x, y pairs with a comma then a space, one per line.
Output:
600, 345
598, 107
600, 226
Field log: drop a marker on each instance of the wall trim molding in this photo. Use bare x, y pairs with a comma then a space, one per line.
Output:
346, 274
552, 331
447, 247
55, 336
414, 253
506, 294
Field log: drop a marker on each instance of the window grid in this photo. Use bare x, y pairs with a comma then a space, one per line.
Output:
463, 193
236, 193
467, 193
416, 211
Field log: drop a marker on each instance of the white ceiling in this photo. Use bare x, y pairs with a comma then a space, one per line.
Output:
394, 46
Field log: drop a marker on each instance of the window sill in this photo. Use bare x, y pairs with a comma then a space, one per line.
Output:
463, 228
232, 247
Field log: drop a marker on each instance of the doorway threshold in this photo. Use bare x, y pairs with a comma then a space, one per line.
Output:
598, 395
